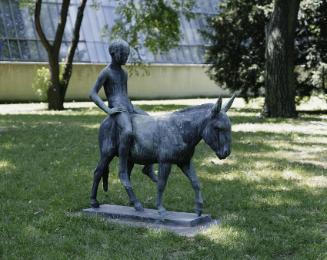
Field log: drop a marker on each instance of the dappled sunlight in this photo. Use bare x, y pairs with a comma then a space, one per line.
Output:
214, 160
228, 236
6, 167
90, 126
219, 176
276, 199
316, 181
300, 179
308, 128
291, 175
304, 157
32, 232
7, 146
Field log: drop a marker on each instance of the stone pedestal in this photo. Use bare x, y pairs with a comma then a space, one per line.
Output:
182, 223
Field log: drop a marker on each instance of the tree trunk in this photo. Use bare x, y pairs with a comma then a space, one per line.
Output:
55, 102
279, 75
68, 68
57, 88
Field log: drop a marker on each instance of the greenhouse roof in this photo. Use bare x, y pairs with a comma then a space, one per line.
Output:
19, 40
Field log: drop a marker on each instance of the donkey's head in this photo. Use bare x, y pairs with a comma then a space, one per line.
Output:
217, 132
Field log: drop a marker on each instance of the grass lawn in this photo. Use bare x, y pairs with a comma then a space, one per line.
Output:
270, 194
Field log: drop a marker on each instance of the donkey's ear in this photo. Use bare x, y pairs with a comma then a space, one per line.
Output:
216, 107
229, 103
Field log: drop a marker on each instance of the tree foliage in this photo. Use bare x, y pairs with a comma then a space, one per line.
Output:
154, 24
311, 43
237, 46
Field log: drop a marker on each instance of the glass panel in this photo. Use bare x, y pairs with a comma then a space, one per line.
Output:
4, 50
18, 20
43, 54
81, 54
102, 25
15, 55
63, 51
92, 51
185, 31
34, 54
8, 21
2, 25
68, 34
28, 26
95, 30
194, 55
171, 56
25, 50
179, 55
101, 52
201, 51
2, 29
109, 15
49, 17
87, 28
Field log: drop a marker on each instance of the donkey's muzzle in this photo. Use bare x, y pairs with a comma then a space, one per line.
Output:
223, 155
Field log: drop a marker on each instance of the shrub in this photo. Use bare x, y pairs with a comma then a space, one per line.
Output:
41, 83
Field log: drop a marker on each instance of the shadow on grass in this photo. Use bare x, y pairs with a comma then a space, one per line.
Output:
46, 173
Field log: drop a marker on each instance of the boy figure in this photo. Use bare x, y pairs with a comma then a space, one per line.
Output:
114, 80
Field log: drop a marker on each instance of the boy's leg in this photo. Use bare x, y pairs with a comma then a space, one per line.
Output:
124, 123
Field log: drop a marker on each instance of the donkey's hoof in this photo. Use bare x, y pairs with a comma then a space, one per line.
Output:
94, 203
198, 212
198, 208
138, 206
162, 211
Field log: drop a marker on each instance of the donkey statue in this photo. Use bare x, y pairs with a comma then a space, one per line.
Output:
166, 140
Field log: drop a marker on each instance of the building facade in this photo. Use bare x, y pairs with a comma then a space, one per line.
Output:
177, 73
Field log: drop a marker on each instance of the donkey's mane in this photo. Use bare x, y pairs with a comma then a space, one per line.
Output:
194, 109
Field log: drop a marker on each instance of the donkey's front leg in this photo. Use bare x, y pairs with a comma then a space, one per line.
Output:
164, 170
189, 171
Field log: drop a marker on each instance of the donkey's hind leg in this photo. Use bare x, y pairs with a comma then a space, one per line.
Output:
98, 173
105, 178
130, 166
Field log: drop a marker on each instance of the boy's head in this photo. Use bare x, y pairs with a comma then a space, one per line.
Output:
119, 51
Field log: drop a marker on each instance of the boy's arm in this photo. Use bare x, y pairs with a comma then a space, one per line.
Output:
97, 99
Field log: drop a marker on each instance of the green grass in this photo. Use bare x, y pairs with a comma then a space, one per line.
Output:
270, 194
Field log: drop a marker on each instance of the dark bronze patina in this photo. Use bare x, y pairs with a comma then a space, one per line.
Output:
136, 137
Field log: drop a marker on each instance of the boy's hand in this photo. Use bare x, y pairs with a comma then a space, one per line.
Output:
116, 110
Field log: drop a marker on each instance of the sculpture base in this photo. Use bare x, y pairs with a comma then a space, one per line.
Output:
182, 223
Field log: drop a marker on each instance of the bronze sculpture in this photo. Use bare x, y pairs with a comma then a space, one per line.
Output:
166, 140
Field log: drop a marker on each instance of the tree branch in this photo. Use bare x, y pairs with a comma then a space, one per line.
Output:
74, 43
38, 26
61, 25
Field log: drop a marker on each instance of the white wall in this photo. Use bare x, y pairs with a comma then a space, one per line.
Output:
164, 81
